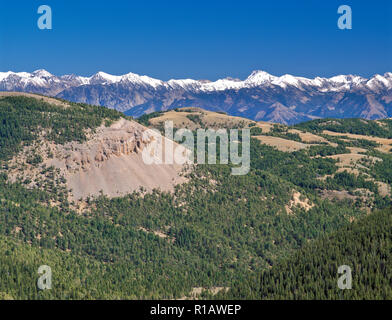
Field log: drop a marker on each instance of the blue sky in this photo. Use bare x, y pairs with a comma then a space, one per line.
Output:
197, 39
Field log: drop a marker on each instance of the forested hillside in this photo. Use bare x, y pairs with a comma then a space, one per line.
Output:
312, 272
215, 230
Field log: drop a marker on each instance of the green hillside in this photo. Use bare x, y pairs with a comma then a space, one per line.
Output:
216, 230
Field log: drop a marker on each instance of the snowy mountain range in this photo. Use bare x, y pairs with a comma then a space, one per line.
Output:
262, 96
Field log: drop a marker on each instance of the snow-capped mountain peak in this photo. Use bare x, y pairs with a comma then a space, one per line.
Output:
388, 75
379, 82
286, 80
347, 79
4, 75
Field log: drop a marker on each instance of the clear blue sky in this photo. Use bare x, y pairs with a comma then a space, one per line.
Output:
197, 39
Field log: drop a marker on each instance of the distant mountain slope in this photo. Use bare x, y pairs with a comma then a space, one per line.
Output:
286, 99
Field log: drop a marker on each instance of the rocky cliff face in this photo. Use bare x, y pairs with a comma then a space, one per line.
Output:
109, 162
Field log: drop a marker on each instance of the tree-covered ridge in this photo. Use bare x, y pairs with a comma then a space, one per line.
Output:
22, 119
312, 272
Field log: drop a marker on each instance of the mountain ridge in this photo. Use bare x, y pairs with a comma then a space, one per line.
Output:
256, 77
261, 96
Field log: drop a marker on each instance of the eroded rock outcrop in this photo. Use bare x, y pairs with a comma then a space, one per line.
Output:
110, 161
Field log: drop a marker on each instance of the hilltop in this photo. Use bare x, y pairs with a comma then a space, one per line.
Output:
312, 272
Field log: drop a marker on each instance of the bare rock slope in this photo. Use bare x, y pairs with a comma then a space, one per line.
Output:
109, 162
